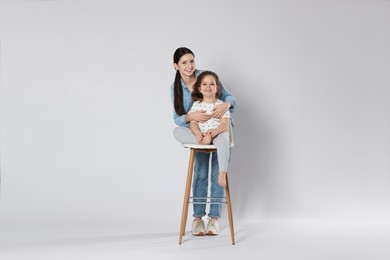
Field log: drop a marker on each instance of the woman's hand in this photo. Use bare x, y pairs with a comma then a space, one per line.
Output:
220, 110
199, 116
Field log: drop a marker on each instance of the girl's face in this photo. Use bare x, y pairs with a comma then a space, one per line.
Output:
208, 86
186, 65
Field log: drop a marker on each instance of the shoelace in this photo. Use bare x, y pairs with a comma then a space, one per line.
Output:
198, 223
212, 223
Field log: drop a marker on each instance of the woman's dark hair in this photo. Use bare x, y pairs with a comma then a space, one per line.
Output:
196, 95
177, 90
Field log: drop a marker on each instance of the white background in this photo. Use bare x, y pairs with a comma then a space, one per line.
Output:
86, 116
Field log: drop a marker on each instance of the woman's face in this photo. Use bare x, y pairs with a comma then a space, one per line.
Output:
186, 65
208, 86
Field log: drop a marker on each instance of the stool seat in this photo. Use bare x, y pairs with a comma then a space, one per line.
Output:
200, 146
203, 146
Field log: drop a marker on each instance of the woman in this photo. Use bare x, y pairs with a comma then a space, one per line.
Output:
181, 89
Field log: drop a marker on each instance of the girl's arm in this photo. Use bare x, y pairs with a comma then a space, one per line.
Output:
223, 126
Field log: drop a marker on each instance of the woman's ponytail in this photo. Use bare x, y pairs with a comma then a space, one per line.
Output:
178, 95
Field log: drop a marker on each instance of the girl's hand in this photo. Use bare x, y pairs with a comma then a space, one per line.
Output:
220, 110
213, 132
199, 116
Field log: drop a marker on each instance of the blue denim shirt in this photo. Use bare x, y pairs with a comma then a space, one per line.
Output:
225, 96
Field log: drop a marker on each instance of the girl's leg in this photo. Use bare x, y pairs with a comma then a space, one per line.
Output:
184, 135
222, 142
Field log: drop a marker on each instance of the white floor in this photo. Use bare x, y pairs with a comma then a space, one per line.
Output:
132, 240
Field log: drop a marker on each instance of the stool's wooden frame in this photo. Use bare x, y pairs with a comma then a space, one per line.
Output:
184, 214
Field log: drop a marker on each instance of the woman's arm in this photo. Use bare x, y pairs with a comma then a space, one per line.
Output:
229, 103
221, 109
227, 97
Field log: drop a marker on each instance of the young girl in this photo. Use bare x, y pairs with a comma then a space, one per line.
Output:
214, 130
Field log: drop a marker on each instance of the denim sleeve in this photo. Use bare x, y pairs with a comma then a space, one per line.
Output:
225, 96
179, 120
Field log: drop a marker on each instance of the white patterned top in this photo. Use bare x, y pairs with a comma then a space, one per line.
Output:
212, 123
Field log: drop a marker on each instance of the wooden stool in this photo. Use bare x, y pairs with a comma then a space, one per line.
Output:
187, 199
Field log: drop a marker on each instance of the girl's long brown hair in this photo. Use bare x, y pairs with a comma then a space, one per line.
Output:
177, 89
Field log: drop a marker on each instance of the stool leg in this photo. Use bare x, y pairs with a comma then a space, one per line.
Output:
184, 214
230, 211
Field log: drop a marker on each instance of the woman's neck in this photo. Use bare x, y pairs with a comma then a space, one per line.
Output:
189, 81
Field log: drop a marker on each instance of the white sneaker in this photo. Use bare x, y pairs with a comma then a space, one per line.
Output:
212, 227
198, 227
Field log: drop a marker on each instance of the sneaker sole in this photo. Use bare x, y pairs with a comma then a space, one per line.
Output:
211, 233
199, 234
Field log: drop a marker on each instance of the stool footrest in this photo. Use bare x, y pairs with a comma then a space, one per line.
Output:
208, 200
